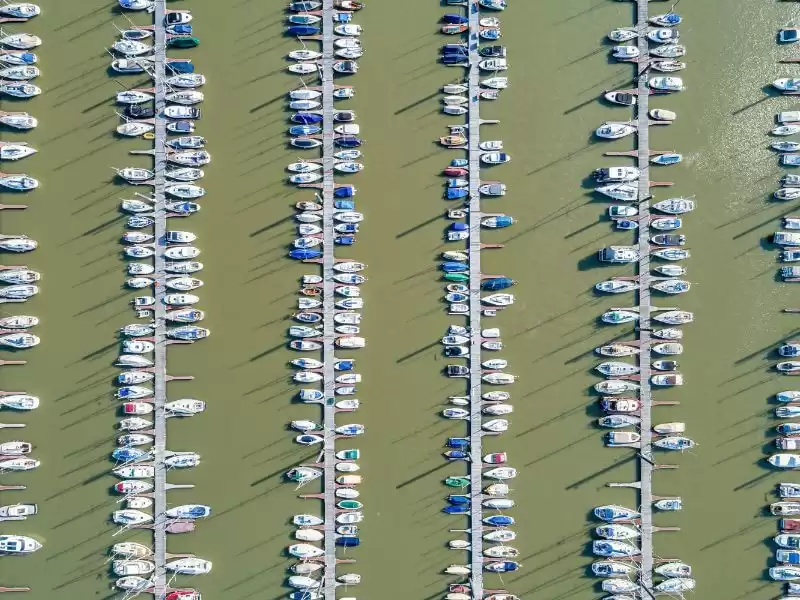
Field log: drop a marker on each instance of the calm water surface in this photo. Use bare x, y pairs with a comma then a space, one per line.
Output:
559, 67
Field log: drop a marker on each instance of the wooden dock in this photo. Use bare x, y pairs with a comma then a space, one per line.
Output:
160, 358
643, 232
474, 251
328, 299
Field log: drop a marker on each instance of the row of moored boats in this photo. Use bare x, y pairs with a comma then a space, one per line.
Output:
630, 370
330, 219
136, 461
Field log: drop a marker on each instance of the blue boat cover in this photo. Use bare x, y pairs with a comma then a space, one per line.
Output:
348, 541
347, 228
456, 509
303, 30
455, 442
458, 499
497, 283
499, 520
181, 66
305, 253
454, 267
457, 193
345, 191
344, 365
344, 240
345, 205
348, 141
458, 227
454, 18
306, 118
304, 129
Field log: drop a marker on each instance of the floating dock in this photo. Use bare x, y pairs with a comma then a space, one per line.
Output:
474, 251
160, 339
646, 465
328, 301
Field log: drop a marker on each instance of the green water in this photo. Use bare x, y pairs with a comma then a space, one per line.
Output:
558, 70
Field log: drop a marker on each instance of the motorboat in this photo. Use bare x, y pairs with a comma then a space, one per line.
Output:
618, 255
495, 158
614, 131
616, 174
189, 566
663, 35
185, 407
622, 35
673, 317
674, 379
666, 84
623, 98
625, 52
622, 439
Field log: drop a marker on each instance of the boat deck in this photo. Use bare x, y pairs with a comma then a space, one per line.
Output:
474, 251
160, 340
645, 452
328, 299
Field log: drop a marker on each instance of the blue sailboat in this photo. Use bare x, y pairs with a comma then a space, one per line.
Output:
344, 191
344, 365
305, 253
305, 129
304, 143
180, 66
345, 205
454, 18
344, 240
459, 163
454, 267
306, 118
348, 541
303, 30
455, 59
128, 454
497, 283
455, 442
499, 520
348, 141
457, 193
455, 49
458, 509
456, 499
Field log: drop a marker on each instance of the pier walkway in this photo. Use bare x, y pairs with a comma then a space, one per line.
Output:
160, 358
646, 450
474, 251
328, 300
